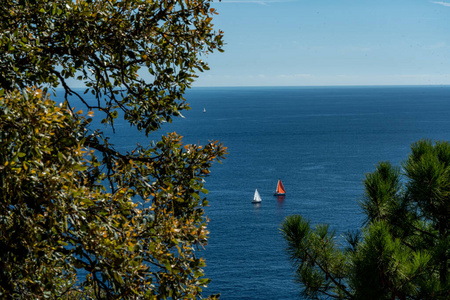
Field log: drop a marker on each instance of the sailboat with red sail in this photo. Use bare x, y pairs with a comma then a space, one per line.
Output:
280, 191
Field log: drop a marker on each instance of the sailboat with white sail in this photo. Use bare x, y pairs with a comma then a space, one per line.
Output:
256, 197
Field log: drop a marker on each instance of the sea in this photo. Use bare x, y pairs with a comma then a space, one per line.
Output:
320, 141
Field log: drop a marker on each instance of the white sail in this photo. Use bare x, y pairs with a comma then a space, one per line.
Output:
257, 197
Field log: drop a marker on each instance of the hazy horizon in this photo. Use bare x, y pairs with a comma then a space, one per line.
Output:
330, 43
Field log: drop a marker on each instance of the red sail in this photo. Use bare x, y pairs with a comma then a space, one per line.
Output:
280, 188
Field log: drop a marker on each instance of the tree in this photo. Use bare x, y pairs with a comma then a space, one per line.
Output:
402, 251
69, 201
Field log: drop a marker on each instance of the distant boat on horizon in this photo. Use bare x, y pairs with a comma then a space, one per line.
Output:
280, 191
256, 197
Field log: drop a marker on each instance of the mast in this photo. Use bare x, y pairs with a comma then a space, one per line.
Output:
256, 197
280, 188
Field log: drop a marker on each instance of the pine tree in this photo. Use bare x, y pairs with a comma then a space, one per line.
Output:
402, 250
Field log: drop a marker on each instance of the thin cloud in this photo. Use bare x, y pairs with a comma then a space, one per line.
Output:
441, 3
435, 46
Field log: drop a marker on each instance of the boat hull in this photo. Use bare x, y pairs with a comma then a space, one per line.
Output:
256, 197
279, 191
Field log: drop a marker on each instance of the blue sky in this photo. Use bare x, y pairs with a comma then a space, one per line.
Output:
331, 42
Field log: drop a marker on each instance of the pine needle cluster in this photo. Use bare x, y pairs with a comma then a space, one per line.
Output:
402, 249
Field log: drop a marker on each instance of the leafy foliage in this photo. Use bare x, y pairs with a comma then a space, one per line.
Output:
403, 249
110, 46
70, 202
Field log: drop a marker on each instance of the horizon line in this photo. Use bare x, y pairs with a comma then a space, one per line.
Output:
324, 85
300, 86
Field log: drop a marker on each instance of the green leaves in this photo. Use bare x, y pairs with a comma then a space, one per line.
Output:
33, 184
69, 200
149, 51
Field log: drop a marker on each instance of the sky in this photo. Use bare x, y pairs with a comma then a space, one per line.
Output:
330, 42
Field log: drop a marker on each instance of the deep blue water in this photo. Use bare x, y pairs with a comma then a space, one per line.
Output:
319, 140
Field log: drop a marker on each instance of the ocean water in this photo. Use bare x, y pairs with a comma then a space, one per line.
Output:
320, 141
